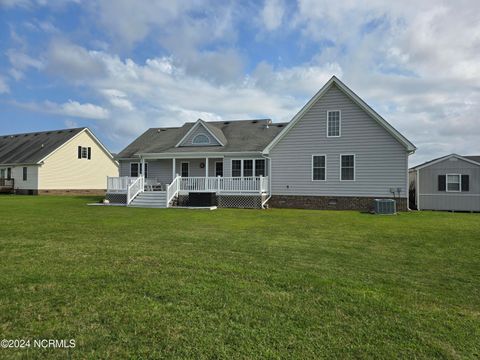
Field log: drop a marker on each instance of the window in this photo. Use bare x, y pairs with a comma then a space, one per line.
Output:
318, 167
2, 173
84, 152
453, 182
201, 139
24, 174
9, 173
333, 123
219, 168
347, 167
134, 169
185, 169
247, 168
236, 168
260, 167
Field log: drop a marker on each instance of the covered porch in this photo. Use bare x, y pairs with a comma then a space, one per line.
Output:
182, 176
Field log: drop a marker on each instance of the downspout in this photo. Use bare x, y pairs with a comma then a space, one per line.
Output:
269, 180
417, 189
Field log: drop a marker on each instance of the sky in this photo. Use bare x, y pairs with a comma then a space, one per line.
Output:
120, 67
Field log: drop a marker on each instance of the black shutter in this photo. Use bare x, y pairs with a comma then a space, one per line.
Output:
89, 153
442, 182
465, 183
79, 152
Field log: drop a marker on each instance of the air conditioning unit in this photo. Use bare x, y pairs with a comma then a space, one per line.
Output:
385, 206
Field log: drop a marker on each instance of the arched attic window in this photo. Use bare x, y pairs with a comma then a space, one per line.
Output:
201, 139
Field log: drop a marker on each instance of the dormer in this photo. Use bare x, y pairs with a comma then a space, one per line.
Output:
203, 134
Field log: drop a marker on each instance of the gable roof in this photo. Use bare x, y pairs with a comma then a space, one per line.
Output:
31, 148
34, 147
212, 130
471, 159
347, 91
240, 136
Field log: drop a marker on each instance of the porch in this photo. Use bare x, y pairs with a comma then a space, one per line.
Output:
130, 189
7, 185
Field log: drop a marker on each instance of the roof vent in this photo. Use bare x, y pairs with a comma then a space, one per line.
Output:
254, 121
42, 146
69, 131
48, 133
25, 135
226, 123
36, 134
280, 125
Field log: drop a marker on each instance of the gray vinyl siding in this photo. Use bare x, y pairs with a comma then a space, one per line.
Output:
199, 130
381, 162
432, 199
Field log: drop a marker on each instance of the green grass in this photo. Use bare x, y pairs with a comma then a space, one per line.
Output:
150, 283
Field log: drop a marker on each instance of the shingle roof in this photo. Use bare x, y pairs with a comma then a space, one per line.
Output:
30, 148
240, 136
473, 157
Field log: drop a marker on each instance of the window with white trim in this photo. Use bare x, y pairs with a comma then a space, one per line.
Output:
219, 168
260, 167
319, 167
185, 167
236, 168
247, 168
333, 123
136, 169
453, 182
201, 139
347, 167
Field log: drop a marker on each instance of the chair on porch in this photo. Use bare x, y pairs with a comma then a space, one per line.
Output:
153, 185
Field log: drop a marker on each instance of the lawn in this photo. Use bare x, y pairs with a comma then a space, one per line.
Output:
176, 283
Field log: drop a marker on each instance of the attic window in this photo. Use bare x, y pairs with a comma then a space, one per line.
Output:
201, 139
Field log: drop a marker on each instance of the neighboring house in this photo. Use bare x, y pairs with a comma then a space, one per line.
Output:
450, 182
55, 162
336, 153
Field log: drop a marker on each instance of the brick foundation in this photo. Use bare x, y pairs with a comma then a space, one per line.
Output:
91, 192
329, 202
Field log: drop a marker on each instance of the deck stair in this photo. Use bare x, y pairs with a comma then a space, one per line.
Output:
150, 199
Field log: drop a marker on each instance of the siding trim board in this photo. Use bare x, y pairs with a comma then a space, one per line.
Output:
356, 99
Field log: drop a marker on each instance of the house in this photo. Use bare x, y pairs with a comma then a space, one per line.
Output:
336, 153
451, 182
55, 162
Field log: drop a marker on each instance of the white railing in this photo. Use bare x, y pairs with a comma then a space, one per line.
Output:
173, 189
135, 188
119, 184
258, 184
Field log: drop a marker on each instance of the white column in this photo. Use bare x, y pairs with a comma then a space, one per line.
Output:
173, 169
206, 167
143, 167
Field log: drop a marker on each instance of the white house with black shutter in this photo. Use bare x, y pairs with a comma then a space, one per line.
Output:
450, 182
55, 162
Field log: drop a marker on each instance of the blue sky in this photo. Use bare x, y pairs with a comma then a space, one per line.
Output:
120, 67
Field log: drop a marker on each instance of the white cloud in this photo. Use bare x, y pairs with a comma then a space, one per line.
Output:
272, 14
70, 108
4, 88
